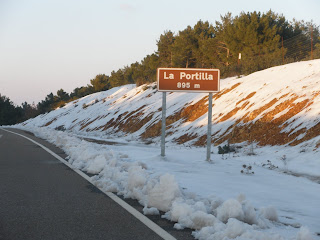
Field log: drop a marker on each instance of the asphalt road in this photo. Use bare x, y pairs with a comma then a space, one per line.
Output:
41, 198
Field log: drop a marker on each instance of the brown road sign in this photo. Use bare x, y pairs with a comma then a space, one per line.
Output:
188, 80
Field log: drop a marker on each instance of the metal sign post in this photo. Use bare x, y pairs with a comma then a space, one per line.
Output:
209, 128
163, 125
187, 80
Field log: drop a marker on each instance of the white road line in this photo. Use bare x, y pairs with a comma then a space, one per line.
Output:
146, 221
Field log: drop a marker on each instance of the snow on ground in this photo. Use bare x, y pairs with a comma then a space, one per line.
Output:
280, 200
215, 199
287, 94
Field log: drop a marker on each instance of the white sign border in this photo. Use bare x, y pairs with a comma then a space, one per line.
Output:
194, 69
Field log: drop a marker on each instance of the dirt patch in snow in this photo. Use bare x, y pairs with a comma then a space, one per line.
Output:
49, 123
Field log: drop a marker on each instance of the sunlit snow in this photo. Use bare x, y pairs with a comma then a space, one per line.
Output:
280, 200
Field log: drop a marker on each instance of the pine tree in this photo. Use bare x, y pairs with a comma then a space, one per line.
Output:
204, 33
62, 95
184, 49
255, 36
165, 45
100, 83
9, 113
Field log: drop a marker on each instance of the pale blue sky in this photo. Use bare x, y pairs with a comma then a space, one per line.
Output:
46, 45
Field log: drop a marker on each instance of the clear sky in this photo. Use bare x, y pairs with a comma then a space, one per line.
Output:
46, 45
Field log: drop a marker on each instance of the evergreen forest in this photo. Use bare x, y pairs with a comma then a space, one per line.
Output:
237, 45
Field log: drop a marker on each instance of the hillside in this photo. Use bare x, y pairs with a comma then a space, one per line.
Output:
277, 106
258, 192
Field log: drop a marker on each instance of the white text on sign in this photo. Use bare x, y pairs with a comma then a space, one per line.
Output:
188, 76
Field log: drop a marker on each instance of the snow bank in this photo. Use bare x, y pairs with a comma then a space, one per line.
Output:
211, 218
304, 234
234, 229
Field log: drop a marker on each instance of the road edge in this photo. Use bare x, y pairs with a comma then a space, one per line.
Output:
146, 221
